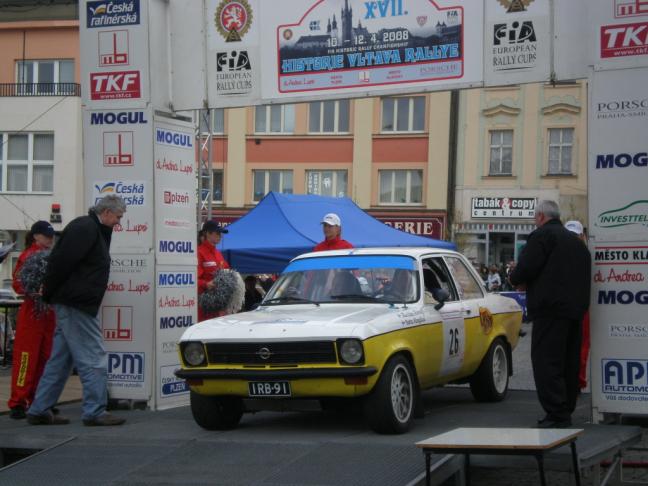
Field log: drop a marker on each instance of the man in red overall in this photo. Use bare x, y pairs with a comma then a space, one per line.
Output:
210, 261
332, 227
34, 329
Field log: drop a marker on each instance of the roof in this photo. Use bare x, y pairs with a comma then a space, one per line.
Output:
412, 252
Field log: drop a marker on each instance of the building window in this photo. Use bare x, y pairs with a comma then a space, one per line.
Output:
326, 182
401, 186
274, 119
501, 152
27, 162
561, 141
217, 195
50, 76
217, 121
328, 116
271, 180
403, 114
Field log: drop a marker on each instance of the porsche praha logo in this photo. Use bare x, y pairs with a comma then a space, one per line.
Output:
233, 19
515, 5
486, 320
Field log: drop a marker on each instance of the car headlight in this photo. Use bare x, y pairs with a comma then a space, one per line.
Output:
194, 353
351, 351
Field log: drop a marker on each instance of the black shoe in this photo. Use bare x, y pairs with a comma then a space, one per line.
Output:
47, 419
17, 413
105, 419
55, 410
554, 424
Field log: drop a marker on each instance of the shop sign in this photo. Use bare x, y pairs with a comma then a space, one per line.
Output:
503, 207
429, 227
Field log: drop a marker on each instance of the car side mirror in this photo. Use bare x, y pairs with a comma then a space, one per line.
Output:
441, 296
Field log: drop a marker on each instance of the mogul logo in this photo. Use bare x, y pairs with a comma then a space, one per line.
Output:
634, 213
233, 72
610, 161
233, 19
174, 197
171, 322
171, 137
115, 85
629, 376
624, 40
514, 46
119, 118
176, 246
628, 108
126, 367
132, 192
623, 297
176, 279
112, 13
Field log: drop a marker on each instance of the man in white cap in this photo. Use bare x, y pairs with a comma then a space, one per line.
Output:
332, 227
576, 227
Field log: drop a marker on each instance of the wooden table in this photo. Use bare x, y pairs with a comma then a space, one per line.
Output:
7, 304
504, 441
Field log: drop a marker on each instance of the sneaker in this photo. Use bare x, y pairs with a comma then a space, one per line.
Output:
17, 413
47, 419
105, 419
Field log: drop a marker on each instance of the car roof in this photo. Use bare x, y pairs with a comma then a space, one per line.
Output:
416, 252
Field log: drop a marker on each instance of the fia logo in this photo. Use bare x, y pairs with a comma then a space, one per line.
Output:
233, 61
515, 33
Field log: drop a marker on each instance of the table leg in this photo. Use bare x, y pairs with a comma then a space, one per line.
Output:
467, 468
575, 462
540, 459
427, 468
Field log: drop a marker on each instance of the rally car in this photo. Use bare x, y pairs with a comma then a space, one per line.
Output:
378, 325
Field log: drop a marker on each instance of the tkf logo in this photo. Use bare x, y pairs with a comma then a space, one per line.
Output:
120, 118
117, 323
126, 367
170, 322
630, 8
609, 161
132, 192
171, 384
115, 85
625, 376
624, 40
514, 33
623, 297
117, 12
233, 61
173, 197
384, 8
634, 213
176, 279
173, 246
233, 19
118, 149
113, 48
169, 137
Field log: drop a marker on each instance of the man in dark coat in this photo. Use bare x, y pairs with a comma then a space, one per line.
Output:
555, 268
75, 283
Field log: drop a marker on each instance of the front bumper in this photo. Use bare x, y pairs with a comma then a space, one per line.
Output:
293, 374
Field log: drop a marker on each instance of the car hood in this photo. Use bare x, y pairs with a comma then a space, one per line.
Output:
292, 322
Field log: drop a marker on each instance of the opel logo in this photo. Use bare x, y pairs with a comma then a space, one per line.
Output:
264, 353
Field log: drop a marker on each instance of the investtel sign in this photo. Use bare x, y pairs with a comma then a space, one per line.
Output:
119, 118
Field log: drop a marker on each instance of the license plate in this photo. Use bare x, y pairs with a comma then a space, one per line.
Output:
269, 388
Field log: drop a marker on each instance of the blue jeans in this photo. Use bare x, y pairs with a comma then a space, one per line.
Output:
77, 341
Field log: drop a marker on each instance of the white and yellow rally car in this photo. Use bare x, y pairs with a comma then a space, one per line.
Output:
379, 324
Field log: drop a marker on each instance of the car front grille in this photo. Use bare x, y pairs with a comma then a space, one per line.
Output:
300, 352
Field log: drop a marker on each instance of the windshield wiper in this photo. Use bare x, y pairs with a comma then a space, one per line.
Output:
288, 298
361, 297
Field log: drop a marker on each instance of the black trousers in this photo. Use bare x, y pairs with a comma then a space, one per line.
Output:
555, 356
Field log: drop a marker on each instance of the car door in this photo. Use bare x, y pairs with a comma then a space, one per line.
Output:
471, 295
452, 339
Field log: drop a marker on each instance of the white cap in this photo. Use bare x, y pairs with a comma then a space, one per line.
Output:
332, 219
574, 227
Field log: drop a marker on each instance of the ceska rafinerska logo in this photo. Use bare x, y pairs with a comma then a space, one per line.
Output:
233, 19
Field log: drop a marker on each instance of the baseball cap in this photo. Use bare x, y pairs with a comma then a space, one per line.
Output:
213, 227
574, 227
42, 228
332, 219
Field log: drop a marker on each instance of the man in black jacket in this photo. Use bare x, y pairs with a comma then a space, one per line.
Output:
75, 283
555, 267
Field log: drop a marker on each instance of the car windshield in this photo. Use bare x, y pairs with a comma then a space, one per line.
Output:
347, 279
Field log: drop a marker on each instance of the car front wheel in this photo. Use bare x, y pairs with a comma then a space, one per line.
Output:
216, 412
490, 381
390, 406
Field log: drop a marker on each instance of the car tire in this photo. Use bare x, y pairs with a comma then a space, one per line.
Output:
216, 412
390, 406
490, 381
